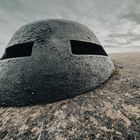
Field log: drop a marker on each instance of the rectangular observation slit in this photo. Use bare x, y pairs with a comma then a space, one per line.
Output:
86, 48
18, 50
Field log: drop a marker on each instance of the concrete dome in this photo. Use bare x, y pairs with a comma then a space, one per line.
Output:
51, 60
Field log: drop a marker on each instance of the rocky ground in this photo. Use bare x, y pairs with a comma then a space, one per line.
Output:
111, 112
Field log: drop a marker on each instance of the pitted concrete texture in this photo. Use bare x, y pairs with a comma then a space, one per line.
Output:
110, 112
51, 72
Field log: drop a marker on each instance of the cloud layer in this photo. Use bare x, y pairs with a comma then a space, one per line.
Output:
115, 23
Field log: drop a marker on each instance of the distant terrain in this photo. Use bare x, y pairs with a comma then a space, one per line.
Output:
110, 112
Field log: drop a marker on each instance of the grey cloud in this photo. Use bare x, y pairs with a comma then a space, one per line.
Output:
132, 11
103, 16
133, 16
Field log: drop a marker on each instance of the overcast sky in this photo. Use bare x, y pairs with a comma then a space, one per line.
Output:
116, 23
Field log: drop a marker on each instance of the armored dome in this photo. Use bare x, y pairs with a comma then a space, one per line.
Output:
51, 60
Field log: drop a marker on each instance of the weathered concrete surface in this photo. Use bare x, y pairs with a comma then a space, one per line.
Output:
52, 72
111, 112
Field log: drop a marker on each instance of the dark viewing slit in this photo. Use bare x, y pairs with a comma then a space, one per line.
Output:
18, 50
86, 48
